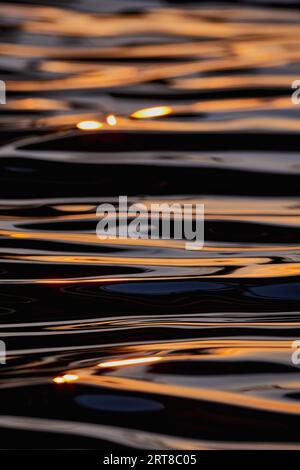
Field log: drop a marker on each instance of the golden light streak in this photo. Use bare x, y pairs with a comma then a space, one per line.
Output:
246, 401
124, 261
152, 112
129, 362
89, 125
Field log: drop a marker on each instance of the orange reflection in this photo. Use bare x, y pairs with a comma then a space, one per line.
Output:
129, 362
89, 125
152, 112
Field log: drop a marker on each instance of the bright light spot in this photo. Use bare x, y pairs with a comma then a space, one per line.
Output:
89, 125
58, 380
129, 362
152, 112
111, 120
70, 377
65, 378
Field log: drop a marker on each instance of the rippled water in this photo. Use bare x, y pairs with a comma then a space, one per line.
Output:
163, 348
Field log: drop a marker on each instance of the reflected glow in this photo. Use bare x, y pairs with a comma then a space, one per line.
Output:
65, 378
152, 112
89, 125
58, 380
70, 377
111, 120
129, 362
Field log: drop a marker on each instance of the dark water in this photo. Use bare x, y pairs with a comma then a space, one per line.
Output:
208, 334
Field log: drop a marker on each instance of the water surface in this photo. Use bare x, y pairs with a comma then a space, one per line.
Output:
162, 348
